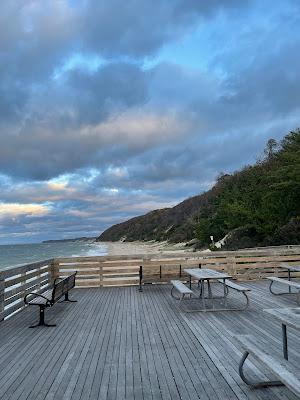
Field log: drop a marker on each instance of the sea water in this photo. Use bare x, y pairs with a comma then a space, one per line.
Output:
19, 254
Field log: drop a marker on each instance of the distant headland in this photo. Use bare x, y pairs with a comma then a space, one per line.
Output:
80, 239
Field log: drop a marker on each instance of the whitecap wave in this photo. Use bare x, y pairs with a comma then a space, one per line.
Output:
97, 249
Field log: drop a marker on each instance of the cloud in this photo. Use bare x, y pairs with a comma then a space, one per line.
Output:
119, 109
140, 28
100, 121
13, 210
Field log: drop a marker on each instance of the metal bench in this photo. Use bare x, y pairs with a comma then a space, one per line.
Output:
61, 287
238, 288
283, 370
293, 284
182, 289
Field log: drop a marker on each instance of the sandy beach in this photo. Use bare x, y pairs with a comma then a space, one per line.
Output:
129, 248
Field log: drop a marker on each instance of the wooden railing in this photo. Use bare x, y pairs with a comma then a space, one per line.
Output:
104, 271
101, 271
124, 270
16, 282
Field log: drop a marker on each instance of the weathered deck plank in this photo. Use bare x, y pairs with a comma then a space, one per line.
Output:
117, 343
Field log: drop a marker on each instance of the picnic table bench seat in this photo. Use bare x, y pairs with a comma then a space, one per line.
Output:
284, 371
234, 285
181, 288
61, 288
287, 282
239, 288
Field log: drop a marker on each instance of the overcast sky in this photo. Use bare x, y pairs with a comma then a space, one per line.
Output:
110, 109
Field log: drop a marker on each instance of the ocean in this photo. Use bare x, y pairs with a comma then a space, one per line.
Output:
19, 254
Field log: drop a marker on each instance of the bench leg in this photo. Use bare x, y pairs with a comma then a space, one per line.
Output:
280, 293
225, 292
42, 319
255, 384
67, 298
238, 308
172, 294
247, 302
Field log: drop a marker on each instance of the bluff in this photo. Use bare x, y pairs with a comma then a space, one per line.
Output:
173, 224
259, 205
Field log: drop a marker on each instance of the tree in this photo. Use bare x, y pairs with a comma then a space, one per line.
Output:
270, 148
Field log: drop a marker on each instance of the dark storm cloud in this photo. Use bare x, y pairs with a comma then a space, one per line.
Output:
114, 87
140, 28
37, 37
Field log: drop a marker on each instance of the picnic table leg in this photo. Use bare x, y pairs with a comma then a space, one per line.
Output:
210, 293
289, 278
284, 340
209, 289
203, 294
190, 282
200, 288
251, 383
225, 293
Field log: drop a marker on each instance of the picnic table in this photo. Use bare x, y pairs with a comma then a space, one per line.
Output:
207, 275
287, 317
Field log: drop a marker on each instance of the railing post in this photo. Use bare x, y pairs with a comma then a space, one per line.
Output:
141, 279
54, 271
2, 287
100, 275
23, 283
39, 276
233, 267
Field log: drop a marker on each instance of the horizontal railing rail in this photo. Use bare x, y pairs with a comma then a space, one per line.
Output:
282, 246
104, 271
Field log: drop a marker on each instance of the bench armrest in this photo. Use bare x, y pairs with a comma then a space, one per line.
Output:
35, 295
57, 280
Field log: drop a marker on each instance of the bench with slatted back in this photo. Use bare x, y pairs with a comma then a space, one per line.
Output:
61, 288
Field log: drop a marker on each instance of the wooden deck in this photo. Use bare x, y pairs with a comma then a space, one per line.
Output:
117, 343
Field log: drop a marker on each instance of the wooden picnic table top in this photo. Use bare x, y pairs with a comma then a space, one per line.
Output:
287, 316
206, 274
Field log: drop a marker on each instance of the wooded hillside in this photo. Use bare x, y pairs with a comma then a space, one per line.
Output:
259, 205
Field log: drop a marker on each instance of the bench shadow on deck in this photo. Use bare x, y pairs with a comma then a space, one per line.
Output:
117, 343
